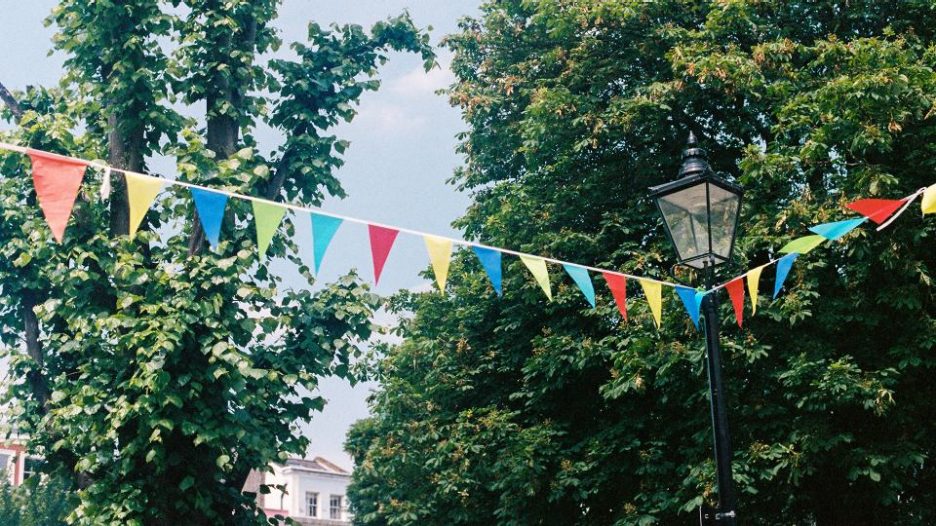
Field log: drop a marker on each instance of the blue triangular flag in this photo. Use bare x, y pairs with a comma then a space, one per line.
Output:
323, 230
580, 277
783, 269
491, 261
210, 206
692, 301
833, 231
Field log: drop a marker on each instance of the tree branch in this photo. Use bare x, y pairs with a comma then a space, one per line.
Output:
37, 380
11, 102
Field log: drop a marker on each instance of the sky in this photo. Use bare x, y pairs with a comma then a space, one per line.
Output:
402, 151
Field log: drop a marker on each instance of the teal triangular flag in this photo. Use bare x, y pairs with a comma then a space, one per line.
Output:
833, 231
323, 230
210, 206
691, 301
491, 261
783, 269
580, 277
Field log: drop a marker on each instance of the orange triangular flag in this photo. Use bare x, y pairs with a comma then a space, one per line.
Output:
735, 290
57, 180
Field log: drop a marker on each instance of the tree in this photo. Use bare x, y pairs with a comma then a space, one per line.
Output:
39, 501
157, 374
516, 410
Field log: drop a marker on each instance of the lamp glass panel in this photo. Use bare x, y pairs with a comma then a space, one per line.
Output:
686, 216
724, 213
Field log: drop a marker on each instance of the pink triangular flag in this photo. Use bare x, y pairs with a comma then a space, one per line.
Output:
877, 210
381, 241
735, 290
57, 180
618, 285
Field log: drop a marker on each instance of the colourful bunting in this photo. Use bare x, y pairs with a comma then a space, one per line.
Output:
735, 290
877, 210
691, 302
141, 192
654, 293
783, 269
267, 218
57, 181
580, 276
928, 206
491, 261
323, 230
210, 207
618, 285
753, 282
538, 268
440, 254
803, 245
833, 231
381, 241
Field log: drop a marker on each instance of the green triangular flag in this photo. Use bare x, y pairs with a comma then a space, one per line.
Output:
267, 217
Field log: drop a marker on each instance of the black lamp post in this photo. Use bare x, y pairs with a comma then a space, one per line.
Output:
700, 211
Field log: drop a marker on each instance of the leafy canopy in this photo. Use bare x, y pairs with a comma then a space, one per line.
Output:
522, 411
158, 374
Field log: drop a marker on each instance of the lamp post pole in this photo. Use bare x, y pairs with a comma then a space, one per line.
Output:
726, 495
700, 211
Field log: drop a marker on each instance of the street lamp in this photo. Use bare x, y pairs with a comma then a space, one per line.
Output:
700, 211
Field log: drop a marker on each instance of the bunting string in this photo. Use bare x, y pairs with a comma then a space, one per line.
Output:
58, 178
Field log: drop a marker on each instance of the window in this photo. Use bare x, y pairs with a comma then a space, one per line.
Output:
334, 507
312, 500
30, 466
4, 461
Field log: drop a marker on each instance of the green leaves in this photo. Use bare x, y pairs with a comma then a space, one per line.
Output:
505, 411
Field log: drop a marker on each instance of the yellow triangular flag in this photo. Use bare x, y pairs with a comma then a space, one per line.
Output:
929, 201
753, 282
538, 267
141, 192
440, 254
653, 290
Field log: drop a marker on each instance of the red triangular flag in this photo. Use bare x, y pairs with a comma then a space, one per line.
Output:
877, 210
57, 180
735, 290
618, 285
381, 241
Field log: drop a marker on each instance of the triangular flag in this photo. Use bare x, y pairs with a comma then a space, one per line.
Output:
877, 210
323, 230
141, 192
57, 180
491, 261
267, 217
538, 268
753, 282
381, 241
210, 206
833, 231
783, 269
691, 302
618, 285
580, 276
735, 290
803, 244
654, 292
440, 254
928, 206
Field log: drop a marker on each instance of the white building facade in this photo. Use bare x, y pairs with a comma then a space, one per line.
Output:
316, 492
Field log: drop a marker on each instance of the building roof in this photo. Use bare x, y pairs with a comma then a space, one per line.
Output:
316, 464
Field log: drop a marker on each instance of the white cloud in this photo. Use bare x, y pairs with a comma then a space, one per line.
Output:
418, 83
384, 116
